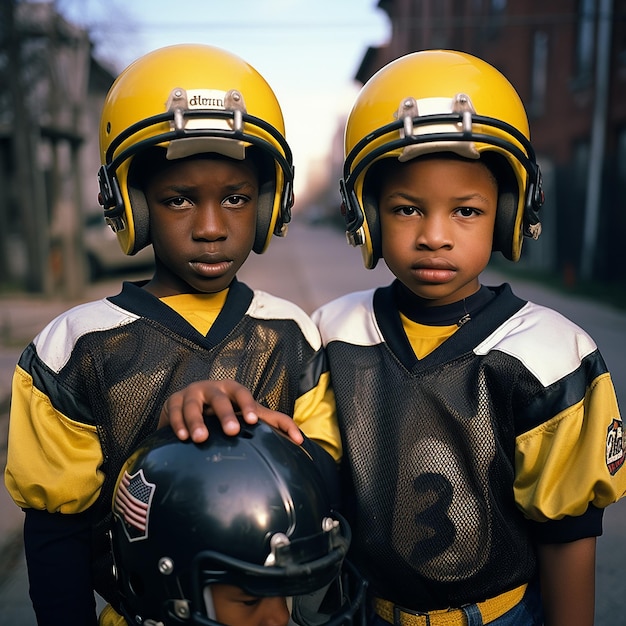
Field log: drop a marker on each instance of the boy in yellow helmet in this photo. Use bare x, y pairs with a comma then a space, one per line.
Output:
482, 436
195, 163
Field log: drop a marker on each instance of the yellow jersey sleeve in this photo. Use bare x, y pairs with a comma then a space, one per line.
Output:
56, 466
109, 617
316, 415
574, 459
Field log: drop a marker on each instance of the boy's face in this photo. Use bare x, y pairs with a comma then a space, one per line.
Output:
202, 223
437, 220
235, 607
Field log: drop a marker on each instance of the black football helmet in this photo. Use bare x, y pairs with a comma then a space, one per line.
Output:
254, 511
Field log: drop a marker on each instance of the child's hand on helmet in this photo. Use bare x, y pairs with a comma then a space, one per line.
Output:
184, 410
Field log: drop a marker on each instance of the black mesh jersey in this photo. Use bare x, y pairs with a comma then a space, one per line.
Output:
110, 365
443, 457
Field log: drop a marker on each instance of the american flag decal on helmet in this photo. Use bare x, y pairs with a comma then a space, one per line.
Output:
132, 504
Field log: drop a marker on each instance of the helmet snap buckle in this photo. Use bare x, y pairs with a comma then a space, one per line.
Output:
277, 541
233, 101
177, 104
462, 105
406, 112
166, 566
181, 609
534, 230
356, 238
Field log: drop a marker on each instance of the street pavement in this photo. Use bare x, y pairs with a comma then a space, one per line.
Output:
311, 266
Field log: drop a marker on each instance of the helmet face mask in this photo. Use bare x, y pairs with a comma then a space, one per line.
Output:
191, 99
252, 511
440, 101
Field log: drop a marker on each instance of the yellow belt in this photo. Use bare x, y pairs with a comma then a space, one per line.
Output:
490, 610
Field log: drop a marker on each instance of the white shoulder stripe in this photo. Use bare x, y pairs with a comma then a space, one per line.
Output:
266, 306
55, 343
547, 343
349, 318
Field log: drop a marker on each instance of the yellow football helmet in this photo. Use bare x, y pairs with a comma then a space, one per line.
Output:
190, 99
441, 101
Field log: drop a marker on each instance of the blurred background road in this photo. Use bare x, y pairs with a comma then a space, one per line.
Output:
312, 265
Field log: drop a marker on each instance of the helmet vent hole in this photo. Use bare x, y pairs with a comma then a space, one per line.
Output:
135, 584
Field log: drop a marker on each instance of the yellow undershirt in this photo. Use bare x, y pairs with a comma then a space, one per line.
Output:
425, 339
199, 309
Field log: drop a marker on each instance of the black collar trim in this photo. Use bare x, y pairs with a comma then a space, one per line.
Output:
491, 311
136, 300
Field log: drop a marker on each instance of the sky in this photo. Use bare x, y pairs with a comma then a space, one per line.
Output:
308, 50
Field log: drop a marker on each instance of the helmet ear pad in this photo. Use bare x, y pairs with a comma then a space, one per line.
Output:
266, 168
143, 165
139, 212
372, 182
505, 234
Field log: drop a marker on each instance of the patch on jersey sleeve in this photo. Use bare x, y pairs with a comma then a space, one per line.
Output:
614, 446
132, 504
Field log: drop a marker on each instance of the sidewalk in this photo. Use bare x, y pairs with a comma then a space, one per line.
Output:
311, 266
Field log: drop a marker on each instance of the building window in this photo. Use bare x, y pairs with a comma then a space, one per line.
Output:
585, 40
439, 24
619, 25
539, 74
497, 11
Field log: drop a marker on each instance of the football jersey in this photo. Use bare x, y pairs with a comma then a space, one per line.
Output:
91, 386
506, 434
